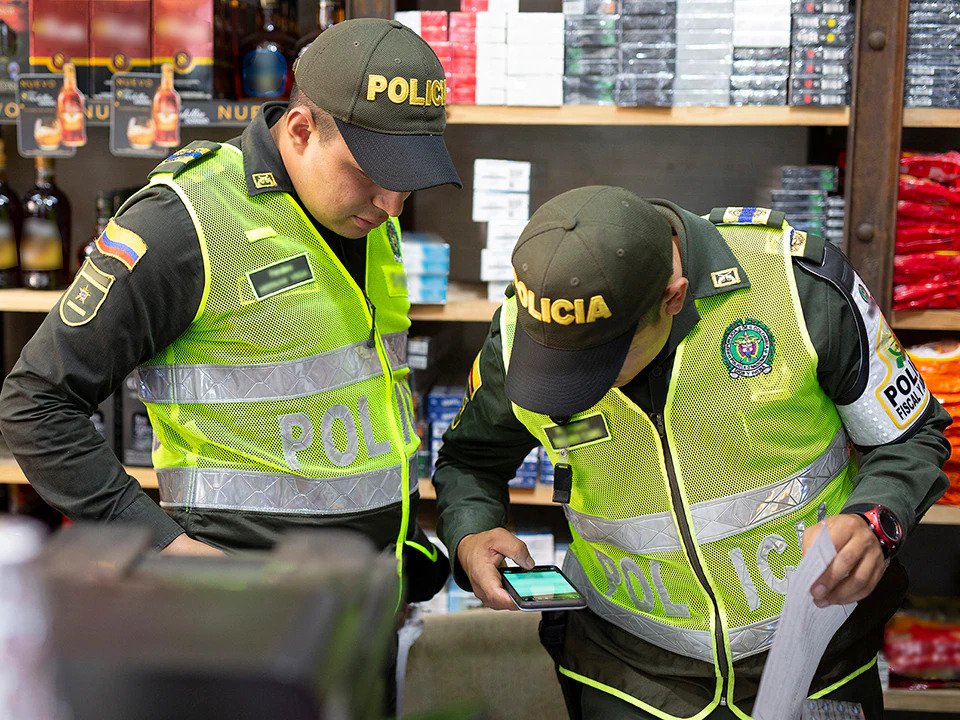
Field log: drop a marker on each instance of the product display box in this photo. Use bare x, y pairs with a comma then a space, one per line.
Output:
183, 36
15, 14
119, 41
59, 34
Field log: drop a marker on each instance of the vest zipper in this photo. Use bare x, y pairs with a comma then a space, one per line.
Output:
687, 537
372, 340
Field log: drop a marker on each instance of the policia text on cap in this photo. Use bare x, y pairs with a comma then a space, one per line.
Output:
258, 285
699, 384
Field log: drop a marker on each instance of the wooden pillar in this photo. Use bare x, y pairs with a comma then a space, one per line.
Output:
873, 142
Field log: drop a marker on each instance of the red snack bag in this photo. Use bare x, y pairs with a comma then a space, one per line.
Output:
943, 167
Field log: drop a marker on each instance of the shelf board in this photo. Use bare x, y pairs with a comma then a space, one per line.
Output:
466, 302
931, 118
941, 514
607, 115
939, 701
10, 473
926, 320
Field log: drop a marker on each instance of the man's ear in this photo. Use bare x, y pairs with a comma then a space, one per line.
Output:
298, 126
674, 295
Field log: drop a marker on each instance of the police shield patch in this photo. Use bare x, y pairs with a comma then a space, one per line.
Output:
82, 300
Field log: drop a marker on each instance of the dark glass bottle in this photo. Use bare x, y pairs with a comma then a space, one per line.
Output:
44, 254
11, 224
104, 213
329, 12
266, 59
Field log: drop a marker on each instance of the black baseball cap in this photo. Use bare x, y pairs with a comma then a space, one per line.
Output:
387, 91
588, 266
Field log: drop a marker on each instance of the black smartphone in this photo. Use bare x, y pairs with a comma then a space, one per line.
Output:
544, 587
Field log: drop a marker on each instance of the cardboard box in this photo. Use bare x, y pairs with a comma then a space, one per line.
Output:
119, 41
490, 205
183, 36
506, 175
16, 15
535, 90
60, 33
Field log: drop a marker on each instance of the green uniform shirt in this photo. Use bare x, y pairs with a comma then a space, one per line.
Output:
482, 452
65, 372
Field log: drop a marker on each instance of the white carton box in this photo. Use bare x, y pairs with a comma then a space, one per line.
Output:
503, 6
503, 236
495, 266
410, 18
508, 175
535, 90
490, 205
487, 95
492, 71
535, 27
539, 59
496, 290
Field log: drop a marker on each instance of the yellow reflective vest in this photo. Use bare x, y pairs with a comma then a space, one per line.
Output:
280, 397
686, 525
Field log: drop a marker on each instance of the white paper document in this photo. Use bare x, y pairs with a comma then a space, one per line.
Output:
801, 637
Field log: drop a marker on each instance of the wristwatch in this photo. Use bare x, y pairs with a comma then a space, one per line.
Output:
884, 524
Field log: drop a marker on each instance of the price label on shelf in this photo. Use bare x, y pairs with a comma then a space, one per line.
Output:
144, 116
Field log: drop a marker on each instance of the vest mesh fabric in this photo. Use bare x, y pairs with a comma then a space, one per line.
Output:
234, 328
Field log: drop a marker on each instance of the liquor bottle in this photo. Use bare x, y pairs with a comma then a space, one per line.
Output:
166, 110
11, 223
266, 59
70, 108
104, 213
329, 12
44, 246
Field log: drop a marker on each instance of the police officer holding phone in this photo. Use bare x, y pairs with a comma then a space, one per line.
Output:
258, 284
701, 385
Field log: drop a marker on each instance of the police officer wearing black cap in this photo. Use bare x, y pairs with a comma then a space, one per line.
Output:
700, 384
258, 285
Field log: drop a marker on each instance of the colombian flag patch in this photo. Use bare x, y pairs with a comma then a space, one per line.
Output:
122, 244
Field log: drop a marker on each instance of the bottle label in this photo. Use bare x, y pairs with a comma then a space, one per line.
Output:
264, 73
8, 247
41, 248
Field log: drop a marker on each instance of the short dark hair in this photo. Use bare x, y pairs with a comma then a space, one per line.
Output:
326, 127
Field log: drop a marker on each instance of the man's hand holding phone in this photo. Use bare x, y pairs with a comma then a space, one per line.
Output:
480, 556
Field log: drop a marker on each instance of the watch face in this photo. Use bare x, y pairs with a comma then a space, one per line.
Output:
889, 524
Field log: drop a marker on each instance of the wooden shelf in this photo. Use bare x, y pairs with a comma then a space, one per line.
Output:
18, 300
11, 474
466, 302
607, 115
926, 320
931, 118
942, 515
939, 701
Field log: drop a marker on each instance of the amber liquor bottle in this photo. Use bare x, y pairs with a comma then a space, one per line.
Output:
329, 12
70, 110
44, 255
166, 110
11, 223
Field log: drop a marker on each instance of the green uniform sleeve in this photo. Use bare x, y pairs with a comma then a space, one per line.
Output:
905, 476
480, 455
65, 371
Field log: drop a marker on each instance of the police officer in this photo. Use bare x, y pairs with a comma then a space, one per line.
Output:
699, 384
258, 285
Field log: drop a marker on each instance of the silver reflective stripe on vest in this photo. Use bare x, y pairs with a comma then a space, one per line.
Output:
188, 384
720, 518
690, 643
251, 491
752, 639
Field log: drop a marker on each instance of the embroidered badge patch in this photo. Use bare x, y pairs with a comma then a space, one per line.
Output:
747, 349
725, 278
82, 300
798, 242
122, 244
394, 237
264, 180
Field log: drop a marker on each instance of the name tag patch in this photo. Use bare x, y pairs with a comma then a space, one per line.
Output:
578, 433
280, 276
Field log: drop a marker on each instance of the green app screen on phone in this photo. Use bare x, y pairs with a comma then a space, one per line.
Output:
540, 584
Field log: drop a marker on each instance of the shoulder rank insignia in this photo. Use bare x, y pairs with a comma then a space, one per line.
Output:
805, 245
122, 244
746, 216
394, 237
80, 303
185, 157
